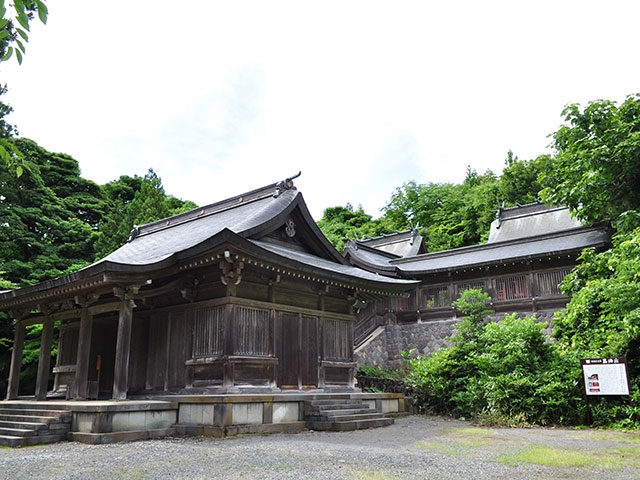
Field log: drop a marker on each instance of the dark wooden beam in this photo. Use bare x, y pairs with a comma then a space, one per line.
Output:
44, 361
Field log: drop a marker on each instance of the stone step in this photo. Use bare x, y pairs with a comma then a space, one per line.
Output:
37, 427
34, 419
355, 416
38, 412
334, 412
343, 415
350, 425
332, 406
11, 441
29, 424
18, 432
14, 441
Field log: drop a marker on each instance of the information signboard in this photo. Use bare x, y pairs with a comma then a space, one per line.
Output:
605, 376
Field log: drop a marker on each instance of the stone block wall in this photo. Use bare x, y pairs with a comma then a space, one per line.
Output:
385, 350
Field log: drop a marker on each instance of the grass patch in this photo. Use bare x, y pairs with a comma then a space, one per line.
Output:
373, 476
444, 448
550, 457
614, 458
620, 437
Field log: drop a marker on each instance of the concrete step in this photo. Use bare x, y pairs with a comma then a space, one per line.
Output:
350, 425
38, 412
343, 415
341, 411
14, 441
11, 441
18, 432
33, 419
355, 416
26, 425
334, 406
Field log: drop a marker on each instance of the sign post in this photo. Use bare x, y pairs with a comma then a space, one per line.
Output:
604, 376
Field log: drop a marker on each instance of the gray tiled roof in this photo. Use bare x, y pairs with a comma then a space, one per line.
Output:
400, 244
568, 242
530, 220
304, 258
240, 220
242, 215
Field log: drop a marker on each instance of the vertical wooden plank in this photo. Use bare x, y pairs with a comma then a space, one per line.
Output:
16, 361
44, 361
309, 351
157, 353
288, 350
123, 345
138, 354
228, 379
81, 389
179, 348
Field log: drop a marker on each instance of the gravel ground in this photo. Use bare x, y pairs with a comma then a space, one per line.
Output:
415, 447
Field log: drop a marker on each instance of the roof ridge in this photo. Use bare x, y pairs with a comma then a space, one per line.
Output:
271, 190
500, 244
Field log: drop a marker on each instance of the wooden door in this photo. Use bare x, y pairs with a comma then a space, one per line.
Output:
309, 352
297, 350
288, 350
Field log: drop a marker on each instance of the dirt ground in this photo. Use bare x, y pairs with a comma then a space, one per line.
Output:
415, 447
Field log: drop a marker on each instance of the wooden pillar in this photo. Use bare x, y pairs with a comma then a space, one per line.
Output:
44, 361
228, 347
16, 361
123, 345
81, 389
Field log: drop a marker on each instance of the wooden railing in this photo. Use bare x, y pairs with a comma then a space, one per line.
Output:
367, 322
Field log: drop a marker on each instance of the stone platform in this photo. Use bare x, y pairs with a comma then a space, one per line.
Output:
98, 422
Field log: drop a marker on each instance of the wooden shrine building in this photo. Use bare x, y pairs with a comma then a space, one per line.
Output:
530, 249
241, 296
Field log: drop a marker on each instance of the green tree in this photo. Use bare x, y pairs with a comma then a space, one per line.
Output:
13, 39
448, 215
134, 201
498, 372
519, 183
6, 129
48, 217
595, 168
14, 25
602, 318
341, 223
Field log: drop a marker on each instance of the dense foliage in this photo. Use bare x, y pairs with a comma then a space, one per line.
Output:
49, 217
53, 222
341, 223
596, 168
447, 215
506, 372
130, 202
498, 372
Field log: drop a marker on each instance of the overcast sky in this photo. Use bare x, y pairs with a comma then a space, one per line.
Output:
221, 97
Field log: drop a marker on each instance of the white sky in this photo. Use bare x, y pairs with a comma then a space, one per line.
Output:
221, 97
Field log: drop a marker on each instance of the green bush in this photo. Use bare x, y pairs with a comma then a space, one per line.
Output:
510, 376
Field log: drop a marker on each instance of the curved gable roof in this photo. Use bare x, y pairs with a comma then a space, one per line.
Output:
247, 219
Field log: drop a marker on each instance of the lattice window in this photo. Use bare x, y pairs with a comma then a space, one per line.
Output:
548, 282
338, 340
403, 304
461, 287
435, 297
208, 332
251, 332
512, 288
